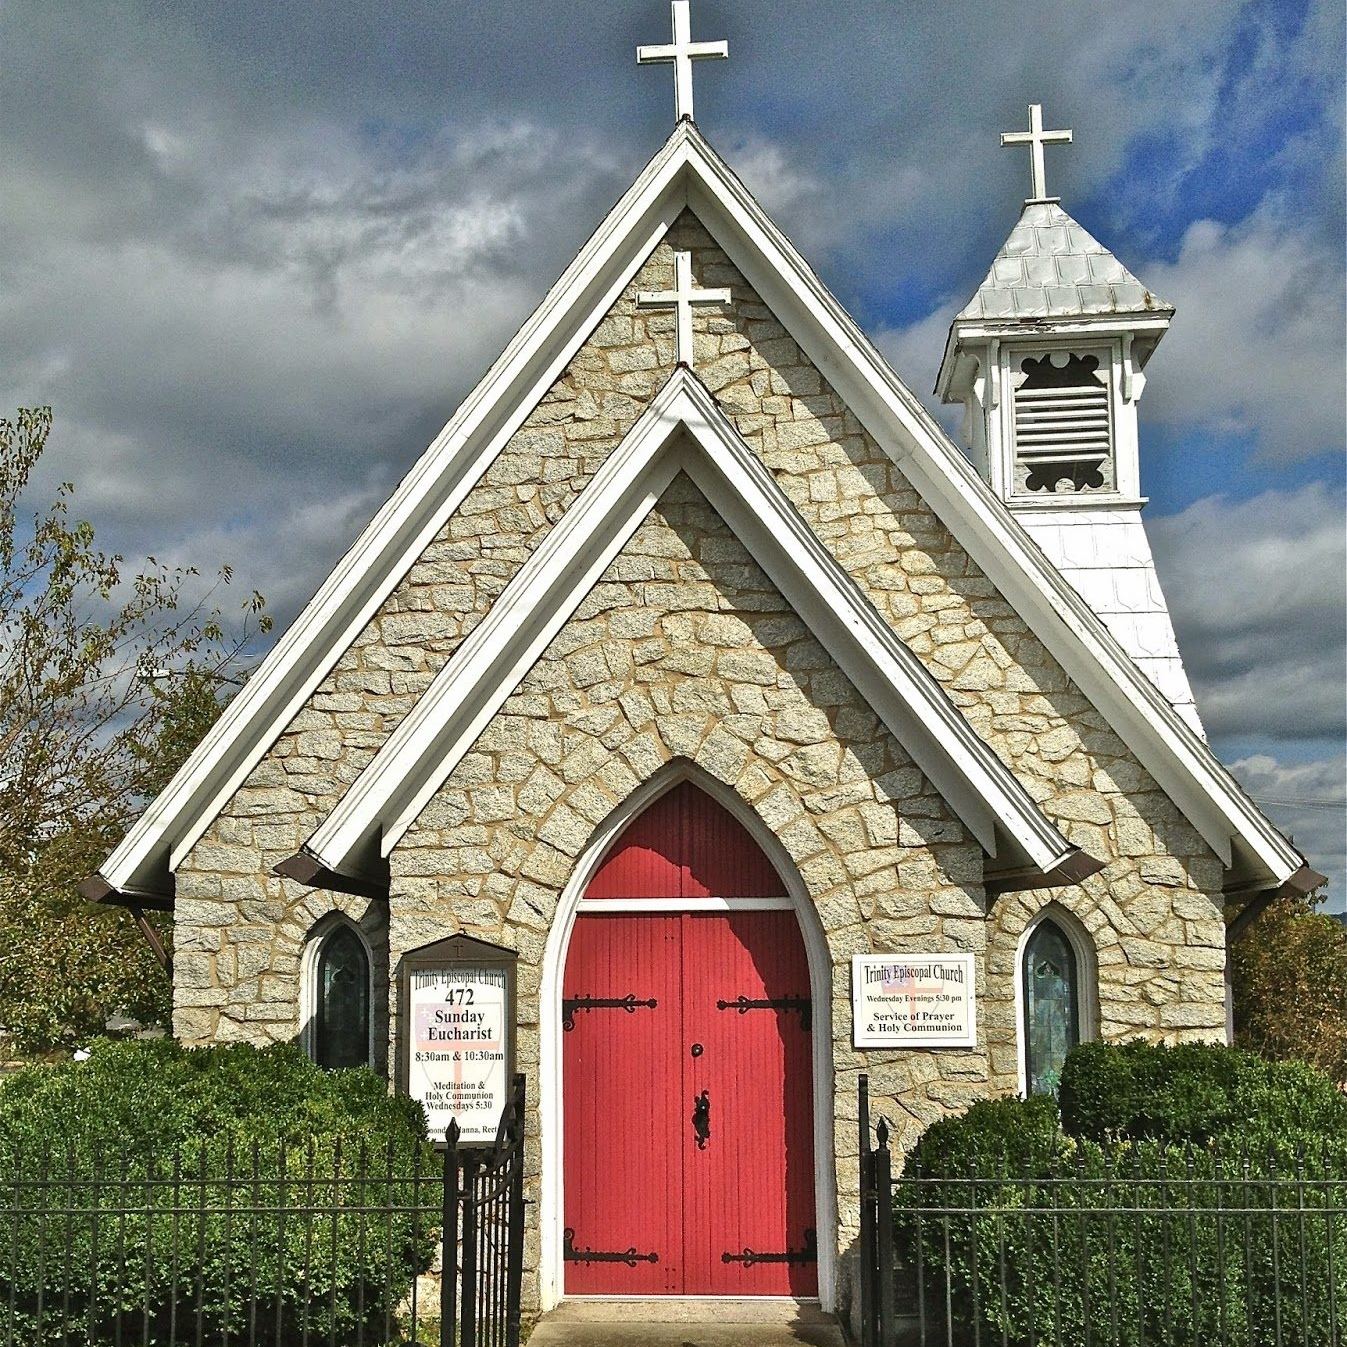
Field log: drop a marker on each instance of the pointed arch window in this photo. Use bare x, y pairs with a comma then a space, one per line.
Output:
1050, 977
341, 1030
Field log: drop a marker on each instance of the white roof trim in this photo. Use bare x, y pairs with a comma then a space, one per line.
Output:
417, 758
686, 171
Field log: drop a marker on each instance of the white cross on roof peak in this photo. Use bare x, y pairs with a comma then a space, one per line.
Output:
681, 299
1036, 137
681, 53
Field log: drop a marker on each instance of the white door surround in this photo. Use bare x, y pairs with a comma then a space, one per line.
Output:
552, 1194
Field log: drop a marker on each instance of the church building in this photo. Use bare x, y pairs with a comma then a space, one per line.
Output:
698, 727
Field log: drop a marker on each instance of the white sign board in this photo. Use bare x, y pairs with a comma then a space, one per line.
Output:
913, 1001
458, 1048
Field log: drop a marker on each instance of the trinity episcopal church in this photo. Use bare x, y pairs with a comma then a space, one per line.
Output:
698, 727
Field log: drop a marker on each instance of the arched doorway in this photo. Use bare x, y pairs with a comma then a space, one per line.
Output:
687, 1067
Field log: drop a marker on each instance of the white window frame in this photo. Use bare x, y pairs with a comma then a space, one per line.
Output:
319, 933
1087, 981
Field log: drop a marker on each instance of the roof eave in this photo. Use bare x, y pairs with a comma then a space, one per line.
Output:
892, 414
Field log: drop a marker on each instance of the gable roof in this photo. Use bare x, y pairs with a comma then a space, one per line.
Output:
415, 760
1052, 267
686, 172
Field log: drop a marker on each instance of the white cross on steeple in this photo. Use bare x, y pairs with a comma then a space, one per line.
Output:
680, 54
681, 299
1036, 137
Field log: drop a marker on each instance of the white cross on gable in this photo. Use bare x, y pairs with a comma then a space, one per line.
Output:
1036, 137
681, 299
681, 53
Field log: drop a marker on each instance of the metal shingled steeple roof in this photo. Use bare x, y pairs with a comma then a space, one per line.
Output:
1051, 267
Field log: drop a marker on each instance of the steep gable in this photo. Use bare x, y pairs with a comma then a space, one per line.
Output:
683, 429
686, 173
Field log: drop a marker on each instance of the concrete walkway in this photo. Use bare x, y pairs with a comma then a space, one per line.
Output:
686, 1323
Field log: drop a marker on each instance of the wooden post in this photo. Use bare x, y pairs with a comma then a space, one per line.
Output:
515, 1272
884, 1241
468, 1337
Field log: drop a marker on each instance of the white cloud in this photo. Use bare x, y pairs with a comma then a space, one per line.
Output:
1257, 592
915, 351
290, 333
1305, 800
1256, 347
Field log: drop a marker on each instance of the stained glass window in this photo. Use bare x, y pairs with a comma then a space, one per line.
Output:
341, 1036
1051, 1007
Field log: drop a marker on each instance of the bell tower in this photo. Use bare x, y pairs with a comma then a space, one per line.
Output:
1048, 360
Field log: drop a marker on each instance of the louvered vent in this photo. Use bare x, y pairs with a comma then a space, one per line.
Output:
1063, 438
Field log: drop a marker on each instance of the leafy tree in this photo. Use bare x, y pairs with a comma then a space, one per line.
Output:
1289, 975
108, 679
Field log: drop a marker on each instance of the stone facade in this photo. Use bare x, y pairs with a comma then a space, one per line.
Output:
685, 651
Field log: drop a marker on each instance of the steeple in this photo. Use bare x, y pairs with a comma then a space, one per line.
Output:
1047, 359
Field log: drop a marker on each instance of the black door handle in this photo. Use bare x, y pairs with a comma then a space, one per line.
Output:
701, 1119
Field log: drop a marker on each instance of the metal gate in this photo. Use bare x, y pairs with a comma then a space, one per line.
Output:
484, 1235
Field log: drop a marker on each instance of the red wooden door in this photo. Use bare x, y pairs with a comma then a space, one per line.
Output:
662, 1010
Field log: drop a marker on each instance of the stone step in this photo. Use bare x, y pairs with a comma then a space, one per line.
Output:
673, 1322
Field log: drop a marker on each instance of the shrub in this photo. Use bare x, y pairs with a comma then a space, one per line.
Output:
231, 1184
1196, 1092
1288, 977
1041, 1235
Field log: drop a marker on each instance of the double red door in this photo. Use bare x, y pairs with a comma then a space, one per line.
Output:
689, 1156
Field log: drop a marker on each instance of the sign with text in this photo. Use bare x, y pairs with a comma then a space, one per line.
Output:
458, 1026
913, 1001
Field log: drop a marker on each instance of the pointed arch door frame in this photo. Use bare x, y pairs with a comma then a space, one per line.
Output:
552, 1188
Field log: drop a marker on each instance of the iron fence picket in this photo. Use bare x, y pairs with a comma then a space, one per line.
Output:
1330, 1224
147, 1265
307, 1272
14, 1225
201, 1245
95, 1220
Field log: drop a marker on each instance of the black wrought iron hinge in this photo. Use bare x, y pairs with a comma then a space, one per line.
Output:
800, 1004
629, 1003
809, 1254
628, 1257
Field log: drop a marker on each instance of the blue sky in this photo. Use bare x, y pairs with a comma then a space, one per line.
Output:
256, 253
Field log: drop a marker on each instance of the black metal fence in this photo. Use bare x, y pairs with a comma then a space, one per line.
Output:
1113, 1248
270, 1245
490, 1199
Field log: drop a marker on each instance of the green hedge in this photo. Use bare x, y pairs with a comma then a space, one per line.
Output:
151, 1186
1195, 1092
1042, 1236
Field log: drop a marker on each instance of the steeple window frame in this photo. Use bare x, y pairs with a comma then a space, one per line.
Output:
1019, 413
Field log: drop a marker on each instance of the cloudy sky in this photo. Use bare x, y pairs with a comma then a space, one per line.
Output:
255, 253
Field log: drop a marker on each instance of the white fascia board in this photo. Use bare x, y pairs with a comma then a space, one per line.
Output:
966, 332
416, 759
424, 500
1181, 763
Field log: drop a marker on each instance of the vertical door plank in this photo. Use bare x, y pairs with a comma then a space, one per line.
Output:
753, 1186
623, 1166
